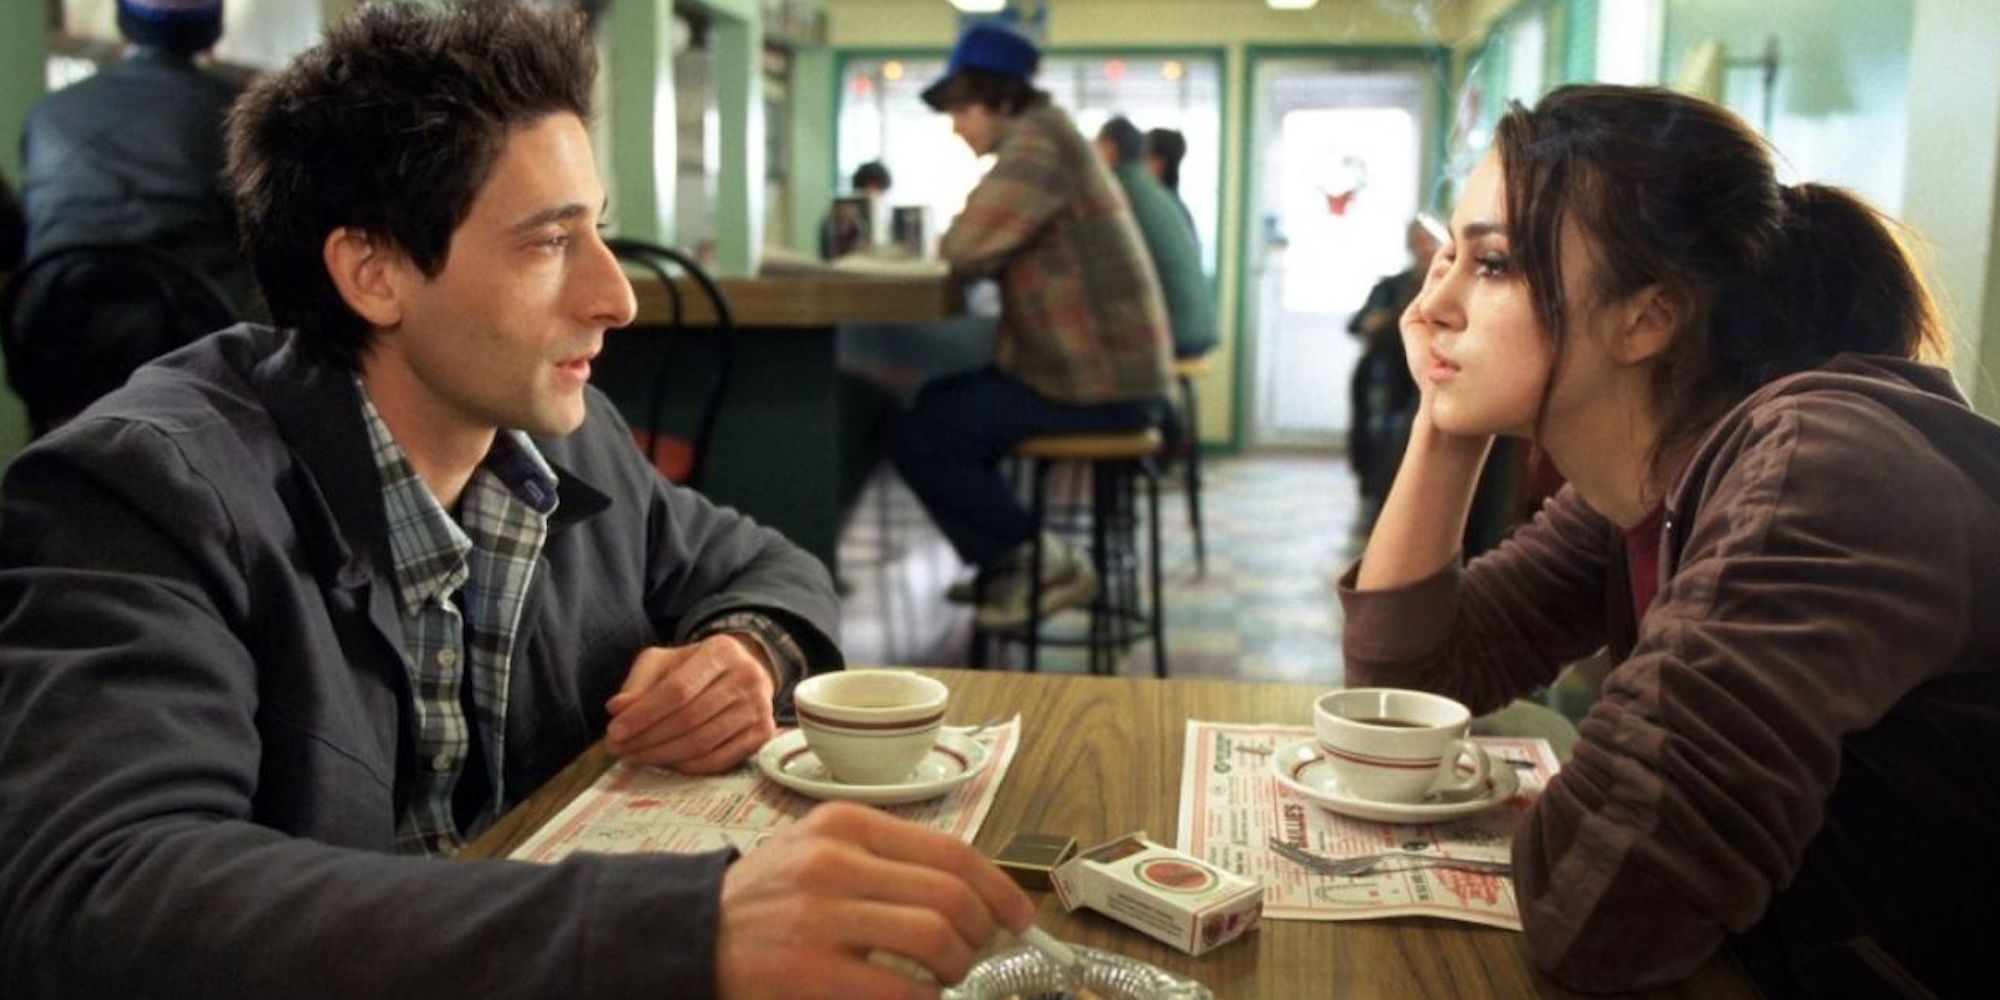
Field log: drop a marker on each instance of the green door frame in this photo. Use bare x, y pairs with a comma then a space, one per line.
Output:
1254, 58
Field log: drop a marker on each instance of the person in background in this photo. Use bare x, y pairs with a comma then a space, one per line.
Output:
1165, 148
1784, 526
856, 230
1382, 396
1082, 343
297, 612
134, 153
1170, 242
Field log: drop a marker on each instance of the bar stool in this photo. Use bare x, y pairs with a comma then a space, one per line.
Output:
1117, 461
1186, 370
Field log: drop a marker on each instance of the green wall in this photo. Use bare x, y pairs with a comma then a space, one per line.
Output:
636, 116
1840, 103
1952, 193
813, 184
24, 40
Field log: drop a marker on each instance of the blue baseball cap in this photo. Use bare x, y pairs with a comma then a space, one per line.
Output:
984, 48
186, 26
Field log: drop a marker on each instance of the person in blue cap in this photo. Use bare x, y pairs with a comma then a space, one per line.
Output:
134, 153
1082, 343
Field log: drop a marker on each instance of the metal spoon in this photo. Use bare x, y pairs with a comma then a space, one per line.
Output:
971, 731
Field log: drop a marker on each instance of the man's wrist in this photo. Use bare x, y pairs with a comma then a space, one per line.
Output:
762, 651
775, 648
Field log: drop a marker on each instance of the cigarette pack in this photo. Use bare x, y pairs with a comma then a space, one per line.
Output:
1176, 897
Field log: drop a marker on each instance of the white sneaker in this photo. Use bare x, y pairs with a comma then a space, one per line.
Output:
1068, 581
966, 591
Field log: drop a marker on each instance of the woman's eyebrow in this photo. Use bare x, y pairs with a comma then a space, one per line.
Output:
1474, 230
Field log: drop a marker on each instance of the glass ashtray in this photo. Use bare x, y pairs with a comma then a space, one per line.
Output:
1022, 973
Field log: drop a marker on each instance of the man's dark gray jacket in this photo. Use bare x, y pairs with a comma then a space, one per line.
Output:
203, 743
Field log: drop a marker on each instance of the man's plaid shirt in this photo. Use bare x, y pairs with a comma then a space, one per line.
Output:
1081, 317
470, 577
458, 581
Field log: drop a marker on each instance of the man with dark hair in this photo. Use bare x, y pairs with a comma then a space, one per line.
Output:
1165, 148
297, 612
133, 154
1082, 342
872, 178
851, 224
1170, 241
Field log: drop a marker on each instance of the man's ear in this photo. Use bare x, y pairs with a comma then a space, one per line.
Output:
367, 274
1649, 321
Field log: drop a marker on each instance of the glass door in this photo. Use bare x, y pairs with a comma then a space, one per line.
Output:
1338, 161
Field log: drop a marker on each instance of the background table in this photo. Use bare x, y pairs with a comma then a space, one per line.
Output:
1101, 756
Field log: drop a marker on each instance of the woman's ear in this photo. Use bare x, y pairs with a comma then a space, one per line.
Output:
365, 273
1650, 319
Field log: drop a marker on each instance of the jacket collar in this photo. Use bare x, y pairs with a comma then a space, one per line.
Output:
336, 490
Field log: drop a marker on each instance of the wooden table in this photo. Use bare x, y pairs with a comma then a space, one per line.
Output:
1101, 756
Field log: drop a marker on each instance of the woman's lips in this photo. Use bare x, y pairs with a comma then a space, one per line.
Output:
1440, 369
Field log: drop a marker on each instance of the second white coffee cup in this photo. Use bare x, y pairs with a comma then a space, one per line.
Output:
1394, 745
870, 727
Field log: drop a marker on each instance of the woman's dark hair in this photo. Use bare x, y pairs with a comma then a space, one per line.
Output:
389, 127
1169, 146
1768, 279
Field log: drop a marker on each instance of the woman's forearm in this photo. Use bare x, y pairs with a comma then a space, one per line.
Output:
1423, 520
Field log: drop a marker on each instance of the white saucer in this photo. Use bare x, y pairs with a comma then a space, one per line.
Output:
1302, 767
952, 762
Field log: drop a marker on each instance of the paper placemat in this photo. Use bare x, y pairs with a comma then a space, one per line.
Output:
631, 810
1231, 806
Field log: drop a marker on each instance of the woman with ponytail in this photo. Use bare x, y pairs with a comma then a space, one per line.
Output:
1780, 521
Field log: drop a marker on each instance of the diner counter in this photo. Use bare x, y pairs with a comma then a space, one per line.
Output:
796, 435
808, 300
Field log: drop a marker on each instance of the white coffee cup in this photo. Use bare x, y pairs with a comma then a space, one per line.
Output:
870, 727
1393, 745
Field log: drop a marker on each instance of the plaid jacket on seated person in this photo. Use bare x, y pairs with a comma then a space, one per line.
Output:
1081, 319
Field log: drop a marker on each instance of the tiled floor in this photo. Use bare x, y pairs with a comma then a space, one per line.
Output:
1279, 529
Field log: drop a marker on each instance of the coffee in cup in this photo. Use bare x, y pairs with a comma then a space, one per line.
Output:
1394, 745
870, 727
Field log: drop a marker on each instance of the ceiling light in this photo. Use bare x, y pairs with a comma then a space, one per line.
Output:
1291, 4
983, 6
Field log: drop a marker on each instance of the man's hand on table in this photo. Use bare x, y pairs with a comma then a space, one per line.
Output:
700, 708
802, 912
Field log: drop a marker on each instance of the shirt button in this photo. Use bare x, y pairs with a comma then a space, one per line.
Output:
447, 657
441, 763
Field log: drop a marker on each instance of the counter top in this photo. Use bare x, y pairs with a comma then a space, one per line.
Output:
809, 300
